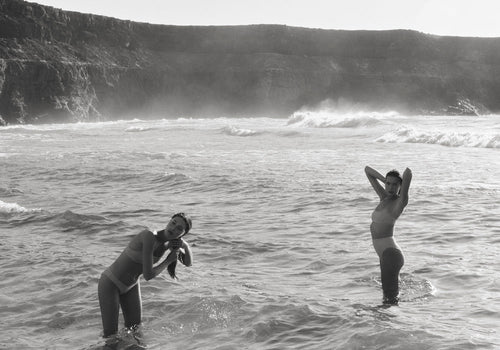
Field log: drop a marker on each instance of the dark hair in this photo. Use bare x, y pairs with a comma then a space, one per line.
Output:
187, 221
394, 173
171, 267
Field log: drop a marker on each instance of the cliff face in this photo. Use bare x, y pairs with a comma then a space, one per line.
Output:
66, 66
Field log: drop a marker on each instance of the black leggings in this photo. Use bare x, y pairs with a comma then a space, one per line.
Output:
110, 301
391, 262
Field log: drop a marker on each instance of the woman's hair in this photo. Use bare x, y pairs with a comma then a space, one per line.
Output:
394, 173
171, 267
187, 221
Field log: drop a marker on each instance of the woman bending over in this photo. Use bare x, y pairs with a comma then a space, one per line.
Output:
119, 283
393, 199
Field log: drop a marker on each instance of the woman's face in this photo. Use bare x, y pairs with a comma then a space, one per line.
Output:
392, 185
175, 228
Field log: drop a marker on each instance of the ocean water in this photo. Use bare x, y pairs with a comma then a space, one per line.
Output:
283, 257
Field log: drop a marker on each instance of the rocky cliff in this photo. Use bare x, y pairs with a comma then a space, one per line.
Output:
58, 66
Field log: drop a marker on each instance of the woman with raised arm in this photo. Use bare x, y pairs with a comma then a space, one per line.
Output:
393, 199
119, 283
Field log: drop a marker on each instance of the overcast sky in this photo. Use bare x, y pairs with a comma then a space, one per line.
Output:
441, 17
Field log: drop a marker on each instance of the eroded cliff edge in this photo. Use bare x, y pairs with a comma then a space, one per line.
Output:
59, 66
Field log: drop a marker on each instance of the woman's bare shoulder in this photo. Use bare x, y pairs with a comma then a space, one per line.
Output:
137, 241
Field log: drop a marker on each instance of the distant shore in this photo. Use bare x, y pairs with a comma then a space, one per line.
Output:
60, 66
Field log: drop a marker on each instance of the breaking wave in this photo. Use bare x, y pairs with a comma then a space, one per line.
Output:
406, 134
14, 208
138, 129
234, 131
334, 120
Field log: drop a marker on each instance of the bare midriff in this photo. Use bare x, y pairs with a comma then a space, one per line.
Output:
381, 230
125, 269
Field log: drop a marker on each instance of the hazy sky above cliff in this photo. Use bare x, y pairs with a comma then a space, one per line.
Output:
441, 17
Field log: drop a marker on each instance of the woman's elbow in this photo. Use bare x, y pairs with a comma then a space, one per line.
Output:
148, 275
188, 262
404, 201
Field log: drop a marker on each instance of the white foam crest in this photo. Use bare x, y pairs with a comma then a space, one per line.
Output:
138, 129
234, 131
326, 119
407, 134
68, 126
13, 208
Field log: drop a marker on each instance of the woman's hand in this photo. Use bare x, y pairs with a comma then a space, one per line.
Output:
175, 244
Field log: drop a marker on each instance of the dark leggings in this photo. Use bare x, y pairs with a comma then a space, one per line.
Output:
110, 301
391, 262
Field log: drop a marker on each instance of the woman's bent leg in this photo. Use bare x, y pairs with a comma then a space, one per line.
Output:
390, 264
131, 304
109, 301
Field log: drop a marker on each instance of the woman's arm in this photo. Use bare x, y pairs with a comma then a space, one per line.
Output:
374, 177
148, 271
405, 186
187, 257
163, 265
403, 193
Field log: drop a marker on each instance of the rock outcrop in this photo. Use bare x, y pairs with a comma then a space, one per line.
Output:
60, 66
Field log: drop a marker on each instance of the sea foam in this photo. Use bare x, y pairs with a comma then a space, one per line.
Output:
138, 129
234, 131
407, 134
325, 119
12, 208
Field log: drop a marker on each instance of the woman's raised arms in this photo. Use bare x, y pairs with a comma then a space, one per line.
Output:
374, 177
405, 187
